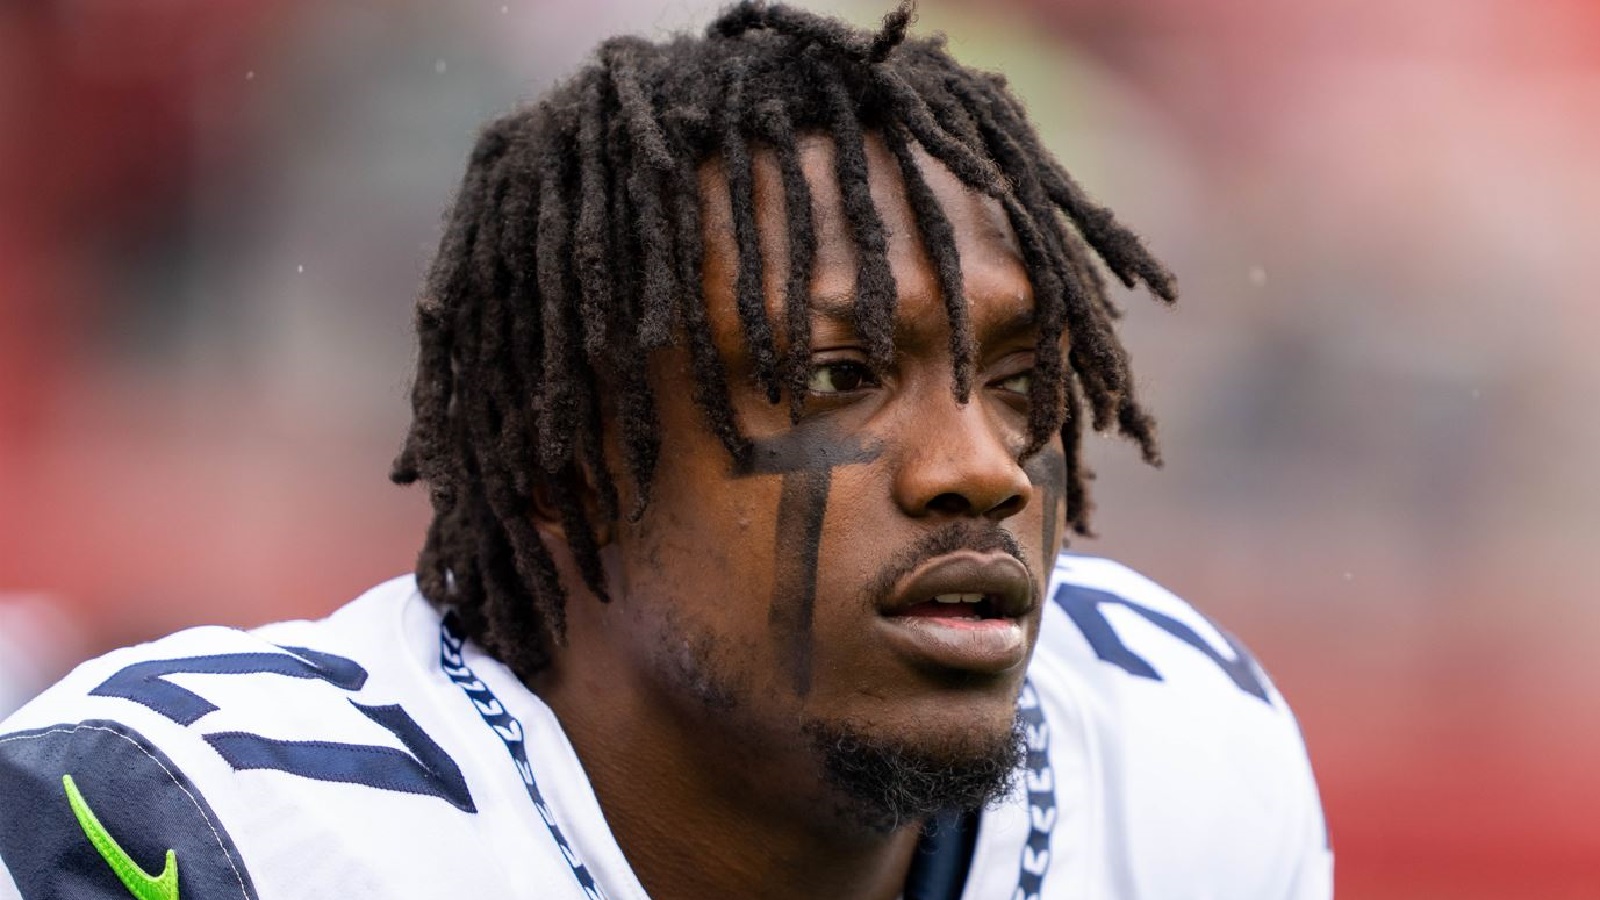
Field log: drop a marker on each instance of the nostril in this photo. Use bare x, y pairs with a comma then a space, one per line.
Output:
950, 504
1007, 506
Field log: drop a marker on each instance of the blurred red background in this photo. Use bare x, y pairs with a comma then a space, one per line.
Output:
1377, 395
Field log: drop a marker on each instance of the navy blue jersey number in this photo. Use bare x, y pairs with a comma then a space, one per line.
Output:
422, 768
1084, 606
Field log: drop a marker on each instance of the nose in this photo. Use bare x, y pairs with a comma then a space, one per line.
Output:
958, 462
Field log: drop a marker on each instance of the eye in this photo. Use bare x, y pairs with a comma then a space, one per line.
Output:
1019, 383
840, 377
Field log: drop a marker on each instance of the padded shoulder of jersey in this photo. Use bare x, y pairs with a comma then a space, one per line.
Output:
158, 688
1204, 769
210, 682
1102, 610
107, 754
315, 743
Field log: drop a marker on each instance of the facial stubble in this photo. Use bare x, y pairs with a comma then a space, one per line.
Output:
878, 778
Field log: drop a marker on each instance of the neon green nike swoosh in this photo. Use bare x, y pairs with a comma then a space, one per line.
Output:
141, 884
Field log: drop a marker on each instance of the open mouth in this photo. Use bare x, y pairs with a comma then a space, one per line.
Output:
965, 611
964, 585
957, 606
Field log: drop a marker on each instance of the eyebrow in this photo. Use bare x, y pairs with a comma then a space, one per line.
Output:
839, 308
1019, 317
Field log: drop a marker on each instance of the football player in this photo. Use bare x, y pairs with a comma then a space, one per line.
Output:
753, 369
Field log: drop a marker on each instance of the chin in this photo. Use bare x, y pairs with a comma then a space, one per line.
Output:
946, 702
886, 776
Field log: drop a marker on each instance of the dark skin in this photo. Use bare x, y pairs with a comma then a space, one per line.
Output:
737, 611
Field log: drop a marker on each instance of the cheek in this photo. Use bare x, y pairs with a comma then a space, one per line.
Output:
704, 550
1047, 472
862, 529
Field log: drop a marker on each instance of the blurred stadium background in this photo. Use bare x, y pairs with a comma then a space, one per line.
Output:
1378, 395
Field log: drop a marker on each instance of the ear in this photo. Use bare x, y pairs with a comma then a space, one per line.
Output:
545, 514
545, 506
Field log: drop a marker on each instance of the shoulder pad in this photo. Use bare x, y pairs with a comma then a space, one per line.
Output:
95, 810
1134, 625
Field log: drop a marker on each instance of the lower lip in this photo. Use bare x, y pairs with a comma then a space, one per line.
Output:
989, 646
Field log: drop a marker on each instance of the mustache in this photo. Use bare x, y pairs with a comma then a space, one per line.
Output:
986, 537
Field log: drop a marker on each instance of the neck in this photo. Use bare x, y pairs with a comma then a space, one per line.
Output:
701, 818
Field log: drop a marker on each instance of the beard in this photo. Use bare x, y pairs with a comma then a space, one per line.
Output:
885, 783
879, 778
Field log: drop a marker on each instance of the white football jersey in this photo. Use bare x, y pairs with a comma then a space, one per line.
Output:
374, 754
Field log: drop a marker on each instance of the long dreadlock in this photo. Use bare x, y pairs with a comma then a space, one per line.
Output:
574, 247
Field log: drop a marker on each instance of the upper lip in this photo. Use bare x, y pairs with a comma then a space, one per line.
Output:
1000, 577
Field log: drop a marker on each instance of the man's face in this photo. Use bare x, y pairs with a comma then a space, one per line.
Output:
792, 605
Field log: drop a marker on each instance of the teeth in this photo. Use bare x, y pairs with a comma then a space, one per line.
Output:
958, 598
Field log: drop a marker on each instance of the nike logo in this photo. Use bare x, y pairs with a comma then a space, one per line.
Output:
141, 884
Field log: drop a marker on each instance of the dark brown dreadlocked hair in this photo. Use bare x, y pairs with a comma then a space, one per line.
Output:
574, 248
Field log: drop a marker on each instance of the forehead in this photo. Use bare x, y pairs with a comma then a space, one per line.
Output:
991, 266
